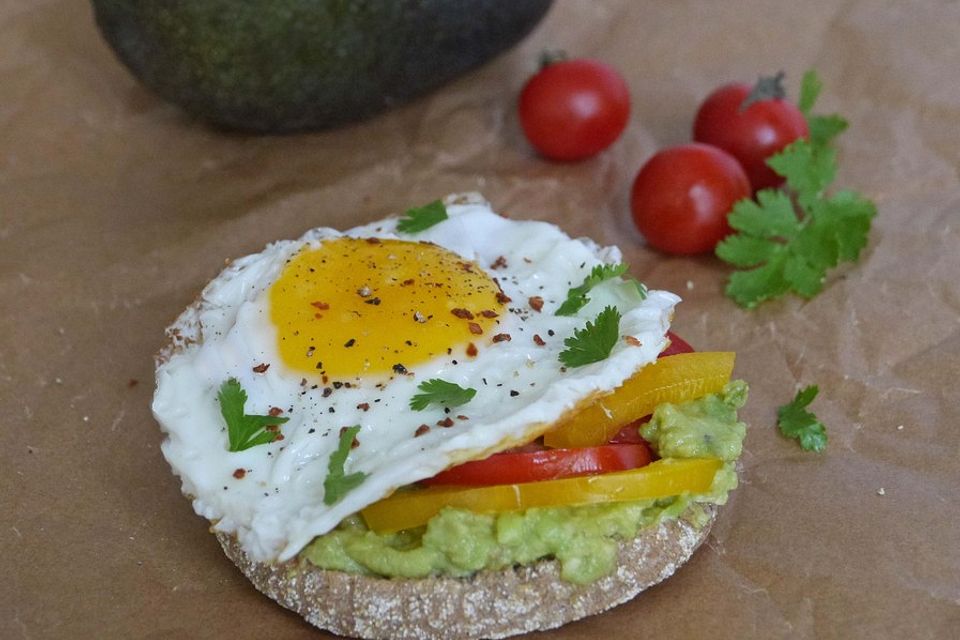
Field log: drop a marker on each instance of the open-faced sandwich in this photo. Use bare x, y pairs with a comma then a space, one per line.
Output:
446, 425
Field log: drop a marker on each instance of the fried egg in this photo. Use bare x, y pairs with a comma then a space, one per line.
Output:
339, 329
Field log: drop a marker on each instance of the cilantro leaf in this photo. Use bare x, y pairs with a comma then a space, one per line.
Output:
794, 421
422, 218
823, 129
788, 247
337, 484
594, 342
243, 430
577, 296
440, 392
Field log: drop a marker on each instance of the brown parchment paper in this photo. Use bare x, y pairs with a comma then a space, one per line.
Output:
115, 209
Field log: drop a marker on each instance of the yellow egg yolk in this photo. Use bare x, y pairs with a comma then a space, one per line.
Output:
351, 307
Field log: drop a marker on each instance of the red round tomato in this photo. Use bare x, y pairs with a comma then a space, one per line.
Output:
573, 109
682, 195
751, 134
548, 464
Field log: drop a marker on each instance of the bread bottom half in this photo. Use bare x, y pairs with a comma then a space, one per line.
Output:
489, 604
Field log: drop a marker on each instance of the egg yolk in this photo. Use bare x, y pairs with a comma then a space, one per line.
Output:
350, 306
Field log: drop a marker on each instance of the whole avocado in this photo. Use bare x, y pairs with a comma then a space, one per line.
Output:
278, 66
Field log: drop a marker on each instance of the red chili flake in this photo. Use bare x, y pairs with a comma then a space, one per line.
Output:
239, 474
536, 303
278, 438
275, 411
472, 350
446, 422
489, 313
462, 417
318, 316
422, 429
364, 406
272, 428
537, 340
503, 298
463, 314
467, 266
475, 329
407, 282
327, 391
261, 368
323, 306
502, 337
632, 341
499, 263
373, 240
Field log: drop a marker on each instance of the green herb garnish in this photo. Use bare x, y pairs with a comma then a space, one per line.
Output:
421, 218
440, 392
594, 342
336, 485
244, 430
788, 240
577, 296
796, 422
823, 129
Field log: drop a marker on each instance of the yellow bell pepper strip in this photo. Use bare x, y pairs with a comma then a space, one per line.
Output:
677, 378
660, 479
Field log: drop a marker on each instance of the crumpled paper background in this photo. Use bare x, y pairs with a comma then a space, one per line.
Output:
115, 209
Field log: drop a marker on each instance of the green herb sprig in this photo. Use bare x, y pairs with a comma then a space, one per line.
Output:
244, 430
594, 342
577, 296
440, 392
337, 484
422, 218
794, 421
788, 240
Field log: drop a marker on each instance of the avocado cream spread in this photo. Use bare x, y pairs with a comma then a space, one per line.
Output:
584, 539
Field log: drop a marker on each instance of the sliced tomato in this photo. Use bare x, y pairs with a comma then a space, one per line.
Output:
677, 345
549, 464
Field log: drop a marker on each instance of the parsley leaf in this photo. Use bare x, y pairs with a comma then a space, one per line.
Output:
823, 129
577, 296
243, 430
441, 392
594, 342
421, 218
787, 241
794, 421
336, 484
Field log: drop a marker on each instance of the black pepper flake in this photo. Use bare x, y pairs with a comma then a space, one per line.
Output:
399, 368
550, 333
446, 422
327, 391
337, 384
349, 343
373, 301
422, 429
331, 410
514, 394
311, 430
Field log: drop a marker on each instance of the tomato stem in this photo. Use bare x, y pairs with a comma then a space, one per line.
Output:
552, 56
766, 88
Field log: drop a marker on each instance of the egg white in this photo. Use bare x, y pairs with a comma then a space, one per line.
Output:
277, 507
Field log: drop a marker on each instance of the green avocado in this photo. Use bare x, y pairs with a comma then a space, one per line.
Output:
582, 538
278, 66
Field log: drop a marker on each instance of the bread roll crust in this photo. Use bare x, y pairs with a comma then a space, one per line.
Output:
490, 604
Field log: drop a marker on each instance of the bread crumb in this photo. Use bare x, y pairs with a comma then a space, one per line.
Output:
689, 285
881, 492
899, 427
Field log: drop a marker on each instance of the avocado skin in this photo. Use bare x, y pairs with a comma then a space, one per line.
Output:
278, 66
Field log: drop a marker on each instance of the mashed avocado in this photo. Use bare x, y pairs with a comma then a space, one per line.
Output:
583, 538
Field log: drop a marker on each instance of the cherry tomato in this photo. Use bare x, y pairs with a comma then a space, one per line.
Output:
682, 195
573, 109
549, 464
750, 135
